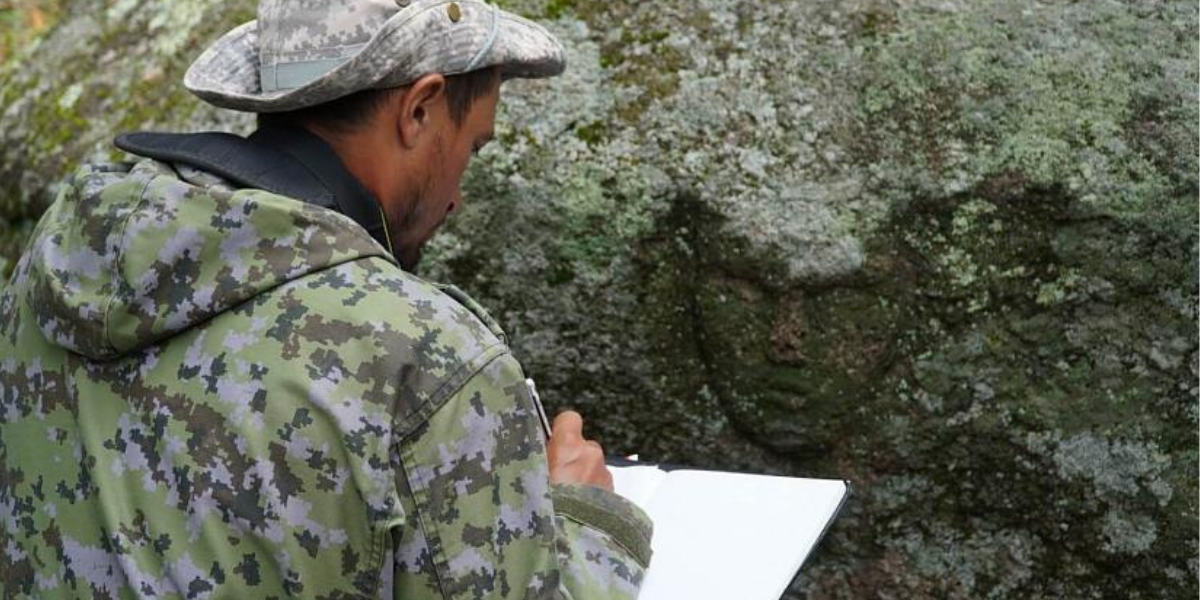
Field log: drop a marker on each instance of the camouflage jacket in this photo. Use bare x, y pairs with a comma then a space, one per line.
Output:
218, 393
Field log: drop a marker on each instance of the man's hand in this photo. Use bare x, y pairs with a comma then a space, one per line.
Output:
573, 459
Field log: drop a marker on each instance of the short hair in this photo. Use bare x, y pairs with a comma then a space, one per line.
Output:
353, 112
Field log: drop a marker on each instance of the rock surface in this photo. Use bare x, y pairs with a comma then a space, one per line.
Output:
944, 249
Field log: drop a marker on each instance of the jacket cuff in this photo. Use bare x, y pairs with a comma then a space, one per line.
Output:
608, 512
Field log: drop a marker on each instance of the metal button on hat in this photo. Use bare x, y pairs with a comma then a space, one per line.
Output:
454, 11
403, 3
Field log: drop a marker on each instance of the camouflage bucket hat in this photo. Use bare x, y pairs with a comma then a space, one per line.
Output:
303, 53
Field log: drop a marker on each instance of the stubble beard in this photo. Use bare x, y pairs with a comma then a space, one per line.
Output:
409, 257
408, 243
406, 249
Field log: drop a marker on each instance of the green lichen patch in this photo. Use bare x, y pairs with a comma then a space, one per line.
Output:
108, 69
947, 250
953, 100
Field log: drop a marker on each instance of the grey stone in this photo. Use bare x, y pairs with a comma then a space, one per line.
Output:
944, 249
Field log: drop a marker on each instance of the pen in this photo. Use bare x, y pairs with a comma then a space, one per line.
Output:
537, 404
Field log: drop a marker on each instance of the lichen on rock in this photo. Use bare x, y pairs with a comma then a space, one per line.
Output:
944, 249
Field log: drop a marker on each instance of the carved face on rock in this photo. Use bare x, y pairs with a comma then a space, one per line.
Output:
969, 316
788, 364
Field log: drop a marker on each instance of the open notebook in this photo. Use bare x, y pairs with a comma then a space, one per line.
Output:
727, 536
720, 535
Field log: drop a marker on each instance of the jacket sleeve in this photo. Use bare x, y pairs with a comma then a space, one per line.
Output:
483, 520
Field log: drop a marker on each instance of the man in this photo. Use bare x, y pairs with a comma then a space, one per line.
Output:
219, 377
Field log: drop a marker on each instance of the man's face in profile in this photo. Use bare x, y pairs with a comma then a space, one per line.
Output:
437, 187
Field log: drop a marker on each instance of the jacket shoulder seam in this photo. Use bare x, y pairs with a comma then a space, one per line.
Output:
119, 259
406, 423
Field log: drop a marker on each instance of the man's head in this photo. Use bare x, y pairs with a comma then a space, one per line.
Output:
409, 146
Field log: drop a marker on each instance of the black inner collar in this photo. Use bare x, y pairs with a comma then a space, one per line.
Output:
282, 159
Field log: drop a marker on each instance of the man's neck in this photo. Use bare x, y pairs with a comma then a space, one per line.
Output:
322, 159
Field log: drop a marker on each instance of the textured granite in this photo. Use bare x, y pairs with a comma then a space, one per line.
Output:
946, 250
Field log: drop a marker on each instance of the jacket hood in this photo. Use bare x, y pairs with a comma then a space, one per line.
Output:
129, 256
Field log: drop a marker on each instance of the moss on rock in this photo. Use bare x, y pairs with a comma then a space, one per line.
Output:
947, 250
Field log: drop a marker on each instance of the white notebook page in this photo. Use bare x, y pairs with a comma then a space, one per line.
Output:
728, 536
638, 484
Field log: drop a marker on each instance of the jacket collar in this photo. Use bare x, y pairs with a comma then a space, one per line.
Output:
287, 160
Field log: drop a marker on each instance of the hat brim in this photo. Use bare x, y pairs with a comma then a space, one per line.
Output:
229, 74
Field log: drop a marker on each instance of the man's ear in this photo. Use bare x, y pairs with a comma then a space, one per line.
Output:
419, 106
